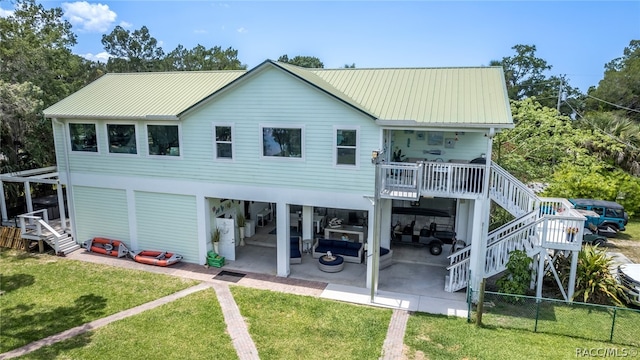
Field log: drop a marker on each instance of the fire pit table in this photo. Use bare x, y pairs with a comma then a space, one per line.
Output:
331, 264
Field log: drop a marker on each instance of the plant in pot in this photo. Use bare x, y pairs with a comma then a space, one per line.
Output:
215, 239
242, 221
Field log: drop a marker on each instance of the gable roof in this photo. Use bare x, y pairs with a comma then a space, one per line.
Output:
473, 96
151, 95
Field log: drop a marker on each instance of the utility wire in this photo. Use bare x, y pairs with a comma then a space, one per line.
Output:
616, 105
601, 130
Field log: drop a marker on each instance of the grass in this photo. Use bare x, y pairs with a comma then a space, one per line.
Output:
286, 326
44, 294
628, 241
576, 320
192, 327
440, 337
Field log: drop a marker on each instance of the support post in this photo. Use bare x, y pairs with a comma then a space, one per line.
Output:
28, 200
61, 207
572, 275
376, 158
283, 245
3, 203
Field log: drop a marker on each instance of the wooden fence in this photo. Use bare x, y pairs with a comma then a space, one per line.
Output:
10, 238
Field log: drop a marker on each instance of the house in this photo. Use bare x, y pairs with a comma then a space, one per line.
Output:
159, 160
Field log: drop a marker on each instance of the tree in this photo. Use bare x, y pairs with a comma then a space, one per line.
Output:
525, 78
37, 68
200, 58
303, 61
135, 51
539, 142
35, 47
619, 90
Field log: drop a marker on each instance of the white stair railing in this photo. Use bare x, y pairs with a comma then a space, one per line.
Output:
510, 193
40, 222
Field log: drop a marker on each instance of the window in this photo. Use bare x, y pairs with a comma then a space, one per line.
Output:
282, 142
83, 137
223, 142
346, 147
163, 140
122, 139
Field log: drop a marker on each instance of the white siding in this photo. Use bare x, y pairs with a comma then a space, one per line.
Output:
270, 97
167, 222
101, 212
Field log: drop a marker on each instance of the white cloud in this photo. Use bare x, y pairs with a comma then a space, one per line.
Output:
102, 57
89, 17
242, 30
199, 31
5, 13
125, 24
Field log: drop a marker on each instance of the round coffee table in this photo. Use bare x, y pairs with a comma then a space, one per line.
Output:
331, 264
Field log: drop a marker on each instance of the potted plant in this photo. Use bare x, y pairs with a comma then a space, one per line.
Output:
242, 221
215, 239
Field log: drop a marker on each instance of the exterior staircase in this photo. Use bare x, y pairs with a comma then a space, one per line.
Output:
539, 225
36, 226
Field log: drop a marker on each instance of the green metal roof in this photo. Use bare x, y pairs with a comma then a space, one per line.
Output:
435, 96
409, 96
159, 95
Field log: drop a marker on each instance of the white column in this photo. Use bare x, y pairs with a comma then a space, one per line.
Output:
61, 207
307, 222
385, 226
572, 275
283, 250
204, 226
28, 200
3, 203
463, 230
478, 242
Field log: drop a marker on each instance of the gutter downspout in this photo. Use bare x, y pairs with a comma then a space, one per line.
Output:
67, 171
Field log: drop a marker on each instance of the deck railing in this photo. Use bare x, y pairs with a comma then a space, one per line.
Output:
400, 180
431, 179
40, 222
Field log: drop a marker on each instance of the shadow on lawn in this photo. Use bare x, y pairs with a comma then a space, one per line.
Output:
13, 282
25, 327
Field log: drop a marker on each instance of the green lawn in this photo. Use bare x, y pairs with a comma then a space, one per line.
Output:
45, 294
440, 337
285, 326
628, 241
189, 328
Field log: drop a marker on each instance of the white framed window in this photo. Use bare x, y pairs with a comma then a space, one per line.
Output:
282, 141
83, 137
346, 140
163, 139
223, 141
121, 139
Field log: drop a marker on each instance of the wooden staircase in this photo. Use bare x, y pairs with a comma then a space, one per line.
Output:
37, 227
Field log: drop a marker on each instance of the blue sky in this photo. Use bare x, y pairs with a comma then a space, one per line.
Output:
576, 37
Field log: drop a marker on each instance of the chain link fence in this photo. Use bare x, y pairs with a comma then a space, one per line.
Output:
588, 321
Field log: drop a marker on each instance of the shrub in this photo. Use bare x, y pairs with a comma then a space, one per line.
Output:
594, 281
516, 280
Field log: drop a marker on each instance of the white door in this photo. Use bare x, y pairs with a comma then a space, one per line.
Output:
227, 246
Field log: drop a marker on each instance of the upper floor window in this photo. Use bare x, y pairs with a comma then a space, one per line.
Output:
223, 142
83, 137
346, 147
163, 140
122, 138
282, 142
